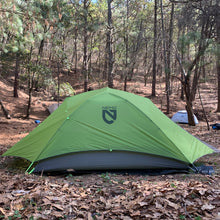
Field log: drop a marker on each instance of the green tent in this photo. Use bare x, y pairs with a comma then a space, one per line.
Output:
108, 129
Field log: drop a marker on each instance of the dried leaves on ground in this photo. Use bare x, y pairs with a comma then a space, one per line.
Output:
109, 196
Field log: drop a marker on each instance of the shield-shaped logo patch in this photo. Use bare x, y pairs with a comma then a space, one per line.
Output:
109, 114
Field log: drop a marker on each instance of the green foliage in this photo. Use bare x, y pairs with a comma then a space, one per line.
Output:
105, 176
16, 215
189, 39
182, 217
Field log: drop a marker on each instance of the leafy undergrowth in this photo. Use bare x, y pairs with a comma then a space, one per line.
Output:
109, 196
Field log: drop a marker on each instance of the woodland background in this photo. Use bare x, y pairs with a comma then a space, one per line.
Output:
165, 50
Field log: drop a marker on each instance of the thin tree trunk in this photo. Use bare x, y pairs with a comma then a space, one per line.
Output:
197, 71
135, 52
105, 67
189, 109
30, 89
126, 46
41, 48
74, 54
145, 63
167, 70
16, 74
153, 93
30, 86
58, 83
29, 97
169, 49
182, 75
109, 42
85, 45
217, 22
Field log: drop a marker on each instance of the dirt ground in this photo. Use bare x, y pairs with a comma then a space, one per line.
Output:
107, 195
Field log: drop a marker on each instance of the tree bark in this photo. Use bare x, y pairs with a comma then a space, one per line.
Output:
30, 89
16, 74
169, 48
85, 45
202, 44
217, 22
153, 92
109, 46
189, 108
126, 46
58, 83
30, 86
167, 52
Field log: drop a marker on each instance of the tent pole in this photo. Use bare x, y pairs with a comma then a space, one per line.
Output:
29, 168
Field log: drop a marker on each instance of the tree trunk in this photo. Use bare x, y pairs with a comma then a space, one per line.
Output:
217, 22
153, 93
135, 52
74, 54
167, 52
182, 75
145, 63
105, 67
58, 83
41, 48
195, 81
126, 46
109, 43
29, 102
30, 88
188, 101
16, 74
202, 44
85, 45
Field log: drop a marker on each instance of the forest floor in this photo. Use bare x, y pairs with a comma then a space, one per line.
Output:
107, 195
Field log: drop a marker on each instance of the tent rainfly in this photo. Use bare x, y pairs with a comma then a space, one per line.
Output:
108, 129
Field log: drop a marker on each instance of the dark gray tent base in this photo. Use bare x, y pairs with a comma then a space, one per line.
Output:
106, 160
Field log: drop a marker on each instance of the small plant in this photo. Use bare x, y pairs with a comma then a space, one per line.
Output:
39, 208
173, 185
105, 176
16, 215
99, 190
182, 217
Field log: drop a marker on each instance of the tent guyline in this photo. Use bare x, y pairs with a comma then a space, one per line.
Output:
108, 129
